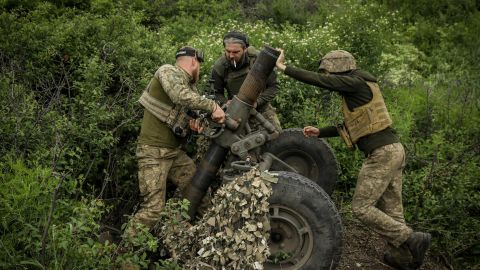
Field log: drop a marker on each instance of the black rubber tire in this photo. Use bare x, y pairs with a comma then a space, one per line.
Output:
299, 205
311, 157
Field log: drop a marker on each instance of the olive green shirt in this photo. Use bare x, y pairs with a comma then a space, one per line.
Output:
173, 86
353, 87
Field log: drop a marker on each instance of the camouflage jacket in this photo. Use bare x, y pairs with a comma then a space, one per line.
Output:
173, 86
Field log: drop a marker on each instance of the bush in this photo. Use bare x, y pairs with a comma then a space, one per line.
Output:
440, 183
41, 227
33, 203
80, 77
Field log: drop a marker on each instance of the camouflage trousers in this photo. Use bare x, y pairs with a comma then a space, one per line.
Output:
270, 114
377, 201
156, 165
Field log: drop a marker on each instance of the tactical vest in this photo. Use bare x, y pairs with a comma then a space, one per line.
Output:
174, 116
366, 119
233, 79
154, 130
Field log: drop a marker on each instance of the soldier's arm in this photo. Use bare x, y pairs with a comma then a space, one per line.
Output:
311, 131
338, 83
217, 86
180, 92
270, 91
330, 131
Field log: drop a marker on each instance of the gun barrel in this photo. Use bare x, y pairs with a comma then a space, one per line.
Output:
256, 79
204, 175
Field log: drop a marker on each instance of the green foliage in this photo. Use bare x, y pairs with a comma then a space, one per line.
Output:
25, 201
33, 201
365, 30
169, 264
29, 208
441, 10
135, 247
79, 77
442, 195
403, 65
181, 19
176, 211
441, 182
281, 11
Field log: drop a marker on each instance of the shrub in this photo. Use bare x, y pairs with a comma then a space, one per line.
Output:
79, 76
40, 227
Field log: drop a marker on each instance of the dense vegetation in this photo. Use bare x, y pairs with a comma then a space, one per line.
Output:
72, 70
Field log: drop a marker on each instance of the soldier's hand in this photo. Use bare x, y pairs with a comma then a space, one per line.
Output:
310, 131
281, 60
196, 125
218, 115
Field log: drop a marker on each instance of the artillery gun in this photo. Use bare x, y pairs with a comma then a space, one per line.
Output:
306, 229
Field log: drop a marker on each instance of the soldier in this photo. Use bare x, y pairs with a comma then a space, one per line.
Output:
231, 69
377, 201
171, 92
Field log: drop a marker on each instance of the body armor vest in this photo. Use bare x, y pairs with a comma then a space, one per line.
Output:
174, 116
366, 119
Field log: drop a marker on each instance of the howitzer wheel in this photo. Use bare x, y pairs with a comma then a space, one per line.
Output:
306, 229
311, 157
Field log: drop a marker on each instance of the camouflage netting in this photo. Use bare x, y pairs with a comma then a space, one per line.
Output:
233, 232
202, 144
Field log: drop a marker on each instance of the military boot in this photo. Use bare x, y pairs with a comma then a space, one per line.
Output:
418, 244
399, 258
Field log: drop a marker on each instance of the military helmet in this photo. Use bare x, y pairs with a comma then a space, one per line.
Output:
337, 61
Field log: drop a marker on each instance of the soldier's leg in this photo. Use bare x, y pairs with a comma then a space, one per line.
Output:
154, 164
272, 117
391, 202
182, 171
181, 174
374, 179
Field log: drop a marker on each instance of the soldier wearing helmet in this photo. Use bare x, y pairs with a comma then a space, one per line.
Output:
231, 69
338, 61
377, 201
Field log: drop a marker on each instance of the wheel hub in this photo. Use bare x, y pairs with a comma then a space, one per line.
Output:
291, 239
300, 161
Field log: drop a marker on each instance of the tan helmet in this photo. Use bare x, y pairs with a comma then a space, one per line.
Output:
337, 61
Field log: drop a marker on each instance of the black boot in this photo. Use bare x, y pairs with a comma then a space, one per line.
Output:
398, 258
418, 244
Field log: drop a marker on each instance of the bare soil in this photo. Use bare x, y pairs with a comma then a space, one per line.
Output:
363, 249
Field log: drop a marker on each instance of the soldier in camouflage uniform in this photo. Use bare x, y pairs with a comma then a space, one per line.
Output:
231, 69
171, 90
377, 201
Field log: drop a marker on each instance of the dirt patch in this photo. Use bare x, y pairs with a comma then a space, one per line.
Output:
363, 249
